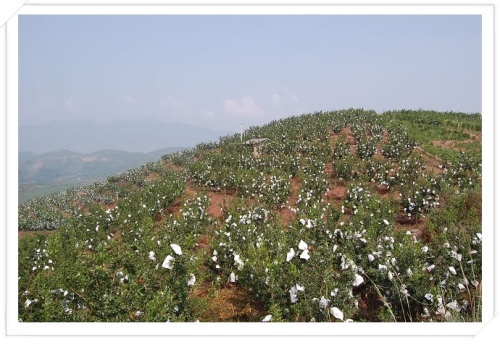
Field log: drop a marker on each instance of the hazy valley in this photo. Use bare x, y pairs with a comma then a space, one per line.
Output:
42, 174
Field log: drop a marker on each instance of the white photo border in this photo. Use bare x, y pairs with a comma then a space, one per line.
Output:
61, 7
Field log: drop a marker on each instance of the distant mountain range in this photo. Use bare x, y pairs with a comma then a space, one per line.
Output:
56, 171
145, 135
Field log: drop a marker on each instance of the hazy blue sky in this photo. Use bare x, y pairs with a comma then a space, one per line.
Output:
219, 70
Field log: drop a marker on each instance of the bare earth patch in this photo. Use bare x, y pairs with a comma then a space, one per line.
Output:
287, 215
352, 149
378, 153
448, 144
152, 176
190, 190
454, 144
431, 161
348, 134
336, 194
21, 233
232, 303
217, 202
170, 164
175, 208
386, 137
369, 304
329, 169
418, 229
296, 184
202, 243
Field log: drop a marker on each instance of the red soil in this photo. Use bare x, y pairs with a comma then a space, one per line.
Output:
431, 161
288, 216
202, 243
22, 233
231, 303
336, 194
152, 176
296, 184
378, 153
418, 229
348, 134
170, 164
329, 169
386, 137
217, 201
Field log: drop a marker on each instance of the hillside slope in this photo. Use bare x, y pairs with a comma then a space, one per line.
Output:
339, 216
42, 174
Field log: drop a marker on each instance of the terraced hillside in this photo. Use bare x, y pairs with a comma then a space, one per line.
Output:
339, 216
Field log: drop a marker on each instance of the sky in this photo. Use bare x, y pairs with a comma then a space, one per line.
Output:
217, 71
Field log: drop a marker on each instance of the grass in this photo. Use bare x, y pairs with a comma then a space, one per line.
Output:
444, 153
471, 147
424, 133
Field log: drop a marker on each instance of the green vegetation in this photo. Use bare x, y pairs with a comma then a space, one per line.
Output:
344, 216
41, 175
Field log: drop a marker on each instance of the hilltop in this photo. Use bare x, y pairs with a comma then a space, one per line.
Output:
343, 215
